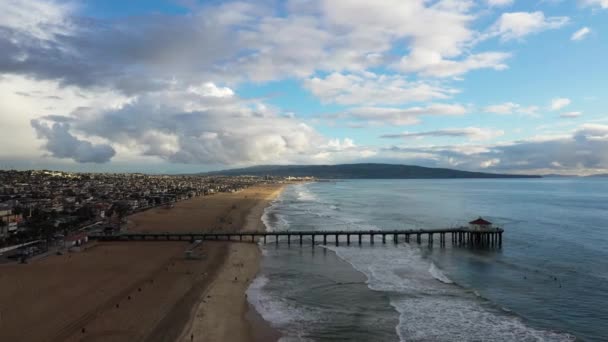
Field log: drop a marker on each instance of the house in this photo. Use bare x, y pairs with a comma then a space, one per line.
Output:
480, 224
5, 210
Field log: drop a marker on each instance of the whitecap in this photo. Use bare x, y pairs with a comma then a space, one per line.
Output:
432, 310
438, 274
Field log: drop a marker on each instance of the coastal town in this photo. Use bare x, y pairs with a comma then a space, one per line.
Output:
59, 208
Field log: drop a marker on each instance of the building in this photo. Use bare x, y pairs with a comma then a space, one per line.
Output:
480, 224
75, 240
10, 223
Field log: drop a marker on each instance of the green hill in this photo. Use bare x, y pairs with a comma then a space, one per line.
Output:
360, 171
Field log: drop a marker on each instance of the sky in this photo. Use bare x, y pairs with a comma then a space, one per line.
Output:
181, 86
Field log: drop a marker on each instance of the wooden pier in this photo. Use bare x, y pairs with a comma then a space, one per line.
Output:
462, 236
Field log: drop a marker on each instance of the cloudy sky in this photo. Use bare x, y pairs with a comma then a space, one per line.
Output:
185, 85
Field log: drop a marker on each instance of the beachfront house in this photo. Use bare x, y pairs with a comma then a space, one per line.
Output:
480, 224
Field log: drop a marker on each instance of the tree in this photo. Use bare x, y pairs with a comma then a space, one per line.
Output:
2, 225
121, 209
42, 227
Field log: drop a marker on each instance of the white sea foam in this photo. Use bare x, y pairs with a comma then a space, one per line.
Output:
269, 308
432, 310
438, 274
279, 312
304, 194
461, 319
272, 219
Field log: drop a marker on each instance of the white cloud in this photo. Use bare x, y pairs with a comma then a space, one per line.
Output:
238, 42
580, 34
499, 3
569, 115
472, 133
211, 90
178, 125
578, 152
489, 163
599, 3
593, 132
24, 99
40, 19
402, 116
438, 34
372, 89
511, 108
559, 103
431, 63
337, 144
517, 25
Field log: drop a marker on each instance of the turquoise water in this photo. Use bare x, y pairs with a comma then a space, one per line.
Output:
549, 282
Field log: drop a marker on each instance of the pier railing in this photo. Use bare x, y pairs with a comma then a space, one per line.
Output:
491, 237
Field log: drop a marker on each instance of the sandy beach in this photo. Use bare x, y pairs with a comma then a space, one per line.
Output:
145, 291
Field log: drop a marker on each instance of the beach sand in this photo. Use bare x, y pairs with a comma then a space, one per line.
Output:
145, 291
226, 295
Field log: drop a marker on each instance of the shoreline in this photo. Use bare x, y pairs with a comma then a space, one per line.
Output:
144, 291
222, 312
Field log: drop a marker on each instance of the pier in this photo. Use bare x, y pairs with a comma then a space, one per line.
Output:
462, 236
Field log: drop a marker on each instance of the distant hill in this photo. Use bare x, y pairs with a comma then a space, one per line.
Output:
360, 171
599, 175
554, 175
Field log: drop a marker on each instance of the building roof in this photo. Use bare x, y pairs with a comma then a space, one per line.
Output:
481, 221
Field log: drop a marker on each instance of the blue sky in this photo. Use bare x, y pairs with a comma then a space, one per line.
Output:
183, 85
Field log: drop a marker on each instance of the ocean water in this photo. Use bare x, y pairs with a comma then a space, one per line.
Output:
549, 282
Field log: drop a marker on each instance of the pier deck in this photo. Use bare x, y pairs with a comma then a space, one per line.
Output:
459, 236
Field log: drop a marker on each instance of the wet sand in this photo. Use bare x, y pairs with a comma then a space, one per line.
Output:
145, 291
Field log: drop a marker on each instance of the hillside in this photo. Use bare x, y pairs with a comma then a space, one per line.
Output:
360, 171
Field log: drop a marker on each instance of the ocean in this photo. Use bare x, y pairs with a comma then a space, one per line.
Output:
549, 282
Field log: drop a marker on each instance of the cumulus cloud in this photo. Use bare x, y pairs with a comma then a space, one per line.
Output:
236, 41
213, 127
62, 144
402, 116
472, 133
511, 108
580, 34
517, 25
559, 103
